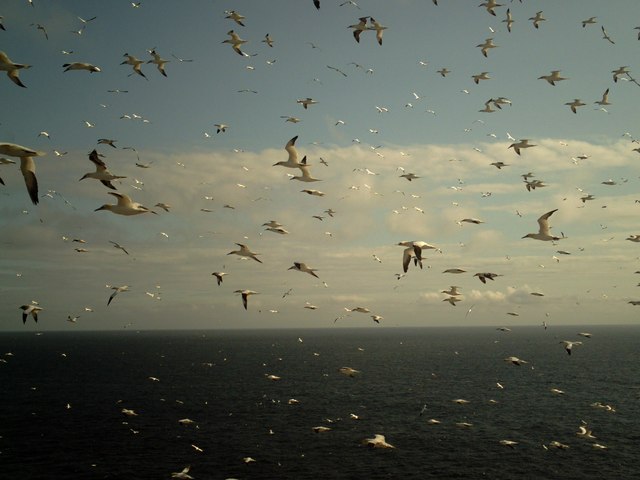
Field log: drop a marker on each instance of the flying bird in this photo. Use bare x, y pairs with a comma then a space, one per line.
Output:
81, 66
12, 69
101, 173
245, 295
117, 290
30, 310
544, 232
124, 206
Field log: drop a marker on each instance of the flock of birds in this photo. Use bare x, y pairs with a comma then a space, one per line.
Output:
413, 249
412, 255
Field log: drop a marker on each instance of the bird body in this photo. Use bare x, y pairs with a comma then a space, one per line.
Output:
245, 252
124, 206
302, 267
81, 66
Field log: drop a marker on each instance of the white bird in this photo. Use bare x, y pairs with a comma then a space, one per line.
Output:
183, 474
453, 291
118, 246
135, 63
378, 441
544, 232
604, 100
375, 25
219, 276
616, 73
568, 345
306, 175
245, 295
101, 173
480, 76
302, 267
359, 27
81, 66
575, 104
235, 16
305, 102
292, 160
245, 252
236, 42
27, 166
358, 309
30, 310
12, 69
553, 77
537, 19
159, 62
117, 290
486, 46
377, 318
522, 143
515, 361
489, 5
348, 371
509, 20
124, 206
452, 300
413, 248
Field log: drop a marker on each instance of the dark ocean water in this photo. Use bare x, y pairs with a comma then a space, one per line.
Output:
218, 379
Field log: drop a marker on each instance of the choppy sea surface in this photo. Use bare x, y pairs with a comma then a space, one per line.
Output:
63, 394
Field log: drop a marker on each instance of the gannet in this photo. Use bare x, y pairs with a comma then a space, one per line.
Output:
125, 206
359, 27
508, 443
320, 429
30, 310
377, 318
604, 100
589, 21
633, 238
378, 28
452, 300
523, 143
489, 5
508, 20
101, 173
475, 221
305, 102
553, 77
245, 295
348, 371
292, 160
606, 36
515, 360
236, 42
378, 441
480, 76
290, 119
12, 69
575, 104
316, 193
568, 345
135, 63
235, 16
268, 40
537, 19
454, 270
486, 275
413, 248
302, 267
486, 46
544, 232
183, 474
499, 165
616, 73
158, 61
117, 290
453, 291
444, 72
245, 252
306, 176
81, 66
119, 247
219, 276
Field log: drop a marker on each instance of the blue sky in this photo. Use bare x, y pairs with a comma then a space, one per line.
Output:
441, 136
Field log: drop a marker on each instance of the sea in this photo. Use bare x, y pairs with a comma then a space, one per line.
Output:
64, 398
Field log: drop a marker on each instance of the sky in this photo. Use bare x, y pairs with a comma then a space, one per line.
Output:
381, 111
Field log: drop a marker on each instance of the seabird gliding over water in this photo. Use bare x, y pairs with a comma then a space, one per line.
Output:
12, 69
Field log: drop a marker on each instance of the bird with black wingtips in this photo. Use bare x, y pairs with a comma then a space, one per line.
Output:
30, 310
101, 173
